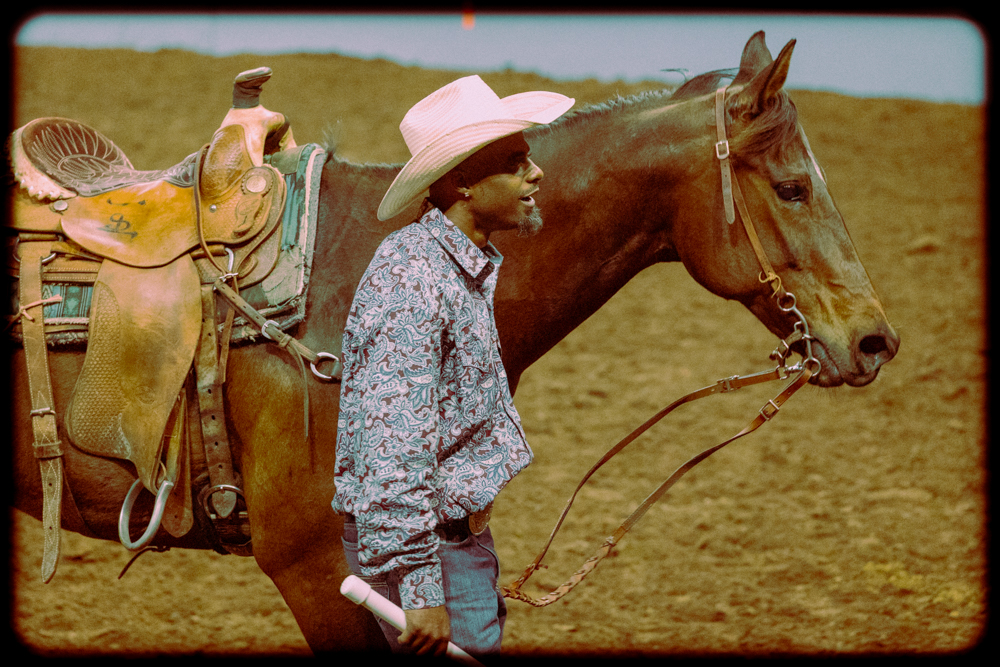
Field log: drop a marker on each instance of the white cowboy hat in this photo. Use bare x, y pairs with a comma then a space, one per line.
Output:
454, 122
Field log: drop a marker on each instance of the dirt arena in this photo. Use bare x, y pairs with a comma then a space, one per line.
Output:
854, 523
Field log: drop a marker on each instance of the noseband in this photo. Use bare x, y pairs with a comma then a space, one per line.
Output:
805, 369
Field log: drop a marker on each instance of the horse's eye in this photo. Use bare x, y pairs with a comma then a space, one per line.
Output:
790, 191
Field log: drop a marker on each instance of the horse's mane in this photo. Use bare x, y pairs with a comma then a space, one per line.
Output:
371, 168
601, 109
774, 126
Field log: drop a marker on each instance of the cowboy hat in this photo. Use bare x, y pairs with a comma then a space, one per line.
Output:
454, 122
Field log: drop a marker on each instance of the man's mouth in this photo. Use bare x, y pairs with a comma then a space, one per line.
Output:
529, 199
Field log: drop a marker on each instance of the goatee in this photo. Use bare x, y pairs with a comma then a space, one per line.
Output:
530, 225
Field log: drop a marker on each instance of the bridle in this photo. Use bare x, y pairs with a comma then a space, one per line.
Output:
802, 372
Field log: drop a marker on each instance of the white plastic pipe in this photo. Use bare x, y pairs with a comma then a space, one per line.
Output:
358, 592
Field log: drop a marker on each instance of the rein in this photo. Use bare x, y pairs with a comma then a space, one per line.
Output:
805, 369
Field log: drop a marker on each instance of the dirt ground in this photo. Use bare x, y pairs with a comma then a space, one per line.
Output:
854, 523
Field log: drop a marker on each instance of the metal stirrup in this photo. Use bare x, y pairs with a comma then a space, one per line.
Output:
154, 521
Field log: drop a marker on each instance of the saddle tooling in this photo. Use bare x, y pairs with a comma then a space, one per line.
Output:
131, 263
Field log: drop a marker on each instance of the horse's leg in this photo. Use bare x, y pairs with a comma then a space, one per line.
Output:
288, 486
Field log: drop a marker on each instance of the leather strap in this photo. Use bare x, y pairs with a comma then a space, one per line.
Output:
722, 153
177, 515
47, 446
728, 384
270, 330
227, 535
731, 192
218, 456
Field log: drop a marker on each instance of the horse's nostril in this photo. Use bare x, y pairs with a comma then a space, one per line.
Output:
872, 345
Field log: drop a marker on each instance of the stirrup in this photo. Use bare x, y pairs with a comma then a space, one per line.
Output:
154, 521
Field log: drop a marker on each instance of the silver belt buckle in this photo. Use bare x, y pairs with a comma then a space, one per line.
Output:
479, 521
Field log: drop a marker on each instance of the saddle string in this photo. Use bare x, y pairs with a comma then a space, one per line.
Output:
158, 549
23, 310
808, 367
297, 350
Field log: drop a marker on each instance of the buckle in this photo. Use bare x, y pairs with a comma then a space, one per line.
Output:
480, 521
722, 149
727, 383
263, 328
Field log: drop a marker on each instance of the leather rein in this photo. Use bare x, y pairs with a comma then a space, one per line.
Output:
801, 371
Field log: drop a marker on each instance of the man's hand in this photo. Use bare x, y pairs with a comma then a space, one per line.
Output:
427, 630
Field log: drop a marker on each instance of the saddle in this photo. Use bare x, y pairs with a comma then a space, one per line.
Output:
149, 250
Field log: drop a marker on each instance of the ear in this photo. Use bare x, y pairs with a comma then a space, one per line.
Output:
453, 180
755, 58
444, 192
464, 176
765, 85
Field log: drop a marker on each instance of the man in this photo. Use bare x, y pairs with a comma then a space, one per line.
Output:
428, 433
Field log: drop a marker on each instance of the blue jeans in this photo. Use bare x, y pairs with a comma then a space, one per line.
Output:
471, 570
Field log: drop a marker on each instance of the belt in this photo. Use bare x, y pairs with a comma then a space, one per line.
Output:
460, 529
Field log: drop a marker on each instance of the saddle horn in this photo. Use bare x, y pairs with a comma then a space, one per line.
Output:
247, 86
246, 95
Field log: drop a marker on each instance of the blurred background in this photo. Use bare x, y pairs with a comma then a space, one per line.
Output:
941, 58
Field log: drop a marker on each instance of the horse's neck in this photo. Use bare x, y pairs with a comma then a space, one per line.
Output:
606, 219
602, 226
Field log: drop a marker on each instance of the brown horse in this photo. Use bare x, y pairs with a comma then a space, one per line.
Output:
629, 183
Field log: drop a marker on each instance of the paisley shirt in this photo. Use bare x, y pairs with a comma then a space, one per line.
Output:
428, 431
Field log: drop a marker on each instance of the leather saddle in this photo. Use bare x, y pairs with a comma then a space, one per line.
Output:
152, 246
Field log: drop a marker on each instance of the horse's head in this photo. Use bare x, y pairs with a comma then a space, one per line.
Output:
802, 234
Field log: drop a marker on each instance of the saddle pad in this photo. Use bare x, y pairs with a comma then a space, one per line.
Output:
144, 329
281, 296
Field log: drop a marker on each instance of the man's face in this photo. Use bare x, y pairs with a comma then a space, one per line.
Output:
501, 179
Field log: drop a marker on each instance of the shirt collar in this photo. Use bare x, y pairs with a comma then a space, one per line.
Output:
478, 262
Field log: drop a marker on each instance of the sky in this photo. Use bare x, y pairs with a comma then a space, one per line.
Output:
941, 59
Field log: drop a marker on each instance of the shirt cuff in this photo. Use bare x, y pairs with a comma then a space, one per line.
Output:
422, 587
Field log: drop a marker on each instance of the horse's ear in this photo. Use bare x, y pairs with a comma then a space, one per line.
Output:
755, 58
766, 84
